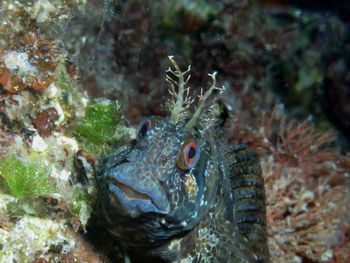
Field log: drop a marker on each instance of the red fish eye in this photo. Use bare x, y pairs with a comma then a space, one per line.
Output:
144, 126
190, 154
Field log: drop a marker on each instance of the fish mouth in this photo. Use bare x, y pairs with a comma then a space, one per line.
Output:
131, 193
135, 200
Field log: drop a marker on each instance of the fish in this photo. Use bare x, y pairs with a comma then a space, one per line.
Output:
179, 191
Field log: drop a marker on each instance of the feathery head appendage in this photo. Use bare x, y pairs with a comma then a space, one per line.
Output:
180, 101
203, 102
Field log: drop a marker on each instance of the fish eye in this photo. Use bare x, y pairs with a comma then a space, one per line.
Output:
189, 155
144, 126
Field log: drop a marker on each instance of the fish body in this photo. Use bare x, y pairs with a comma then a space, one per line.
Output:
182, 193
160, 210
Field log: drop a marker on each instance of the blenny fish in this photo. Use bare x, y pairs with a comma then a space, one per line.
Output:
180, 192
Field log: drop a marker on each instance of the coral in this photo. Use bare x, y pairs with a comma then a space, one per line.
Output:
25, 179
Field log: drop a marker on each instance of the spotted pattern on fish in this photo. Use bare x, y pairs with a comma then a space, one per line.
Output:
213, 212
180, 192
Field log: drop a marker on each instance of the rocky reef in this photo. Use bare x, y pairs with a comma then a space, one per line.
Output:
75, 75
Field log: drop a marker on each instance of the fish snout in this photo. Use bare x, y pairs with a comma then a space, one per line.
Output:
136, 190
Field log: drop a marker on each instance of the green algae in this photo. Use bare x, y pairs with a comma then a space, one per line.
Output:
100, 120
100, 127
24, 179
83, 203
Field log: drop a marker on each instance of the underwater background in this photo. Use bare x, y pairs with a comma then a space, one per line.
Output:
76, 75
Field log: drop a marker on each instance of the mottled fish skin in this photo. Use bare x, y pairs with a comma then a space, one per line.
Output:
160, 212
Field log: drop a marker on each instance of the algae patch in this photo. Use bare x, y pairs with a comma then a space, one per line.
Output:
25, 179
101, 126
83, 202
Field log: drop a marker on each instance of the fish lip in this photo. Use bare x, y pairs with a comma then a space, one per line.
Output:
136, 205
